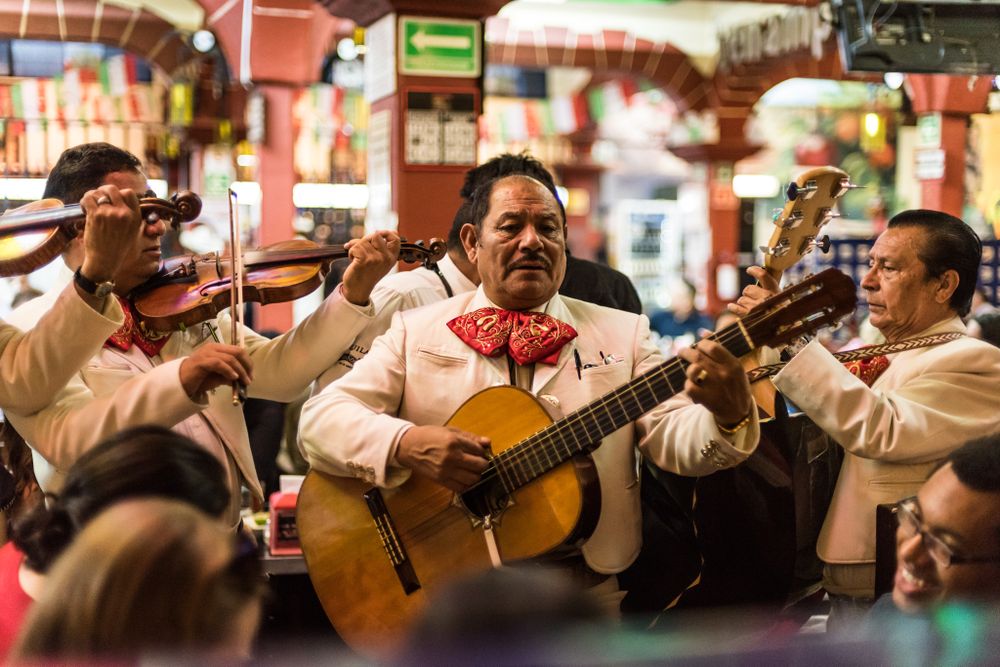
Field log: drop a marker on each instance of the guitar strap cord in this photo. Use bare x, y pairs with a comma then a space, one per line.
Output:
444, 281
863, 353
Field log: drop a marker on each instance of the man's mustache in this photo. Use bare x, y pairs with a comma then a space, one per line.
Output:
531, 259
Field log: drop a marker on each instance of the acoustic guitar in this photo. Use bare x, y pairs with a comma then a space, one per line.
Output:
374, 554
811, 199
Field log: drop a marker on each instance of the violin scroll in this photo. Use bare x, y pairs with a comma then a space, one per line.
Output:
412, 253
183, 206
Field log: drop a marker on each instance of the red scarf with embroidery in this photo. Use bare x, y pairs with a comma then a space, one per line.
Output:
868, 370
132, 332
527, 337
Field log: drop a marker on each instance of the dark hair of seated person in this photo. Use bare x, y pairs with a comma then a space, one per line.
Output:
977, 463
137, 462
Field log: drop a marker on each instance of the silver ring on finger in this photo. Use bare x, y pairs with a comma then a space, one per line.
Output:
103, 199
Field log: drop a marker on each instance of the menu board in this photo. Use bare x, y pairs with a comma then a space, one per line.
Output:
441, 128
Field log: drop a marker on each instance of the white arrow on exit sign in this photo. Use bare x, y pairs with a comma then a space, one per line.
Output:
422, 41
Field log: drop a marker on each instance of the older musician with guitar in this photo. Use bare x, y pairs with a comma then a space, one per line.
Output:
168, 378
387, 421
898, 413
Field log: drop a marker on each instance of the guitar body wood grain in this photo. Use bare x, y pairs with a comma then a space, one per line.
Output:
351, 569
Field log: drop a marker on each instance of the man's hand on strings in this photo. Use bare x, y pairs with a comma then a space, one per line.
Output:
449, 456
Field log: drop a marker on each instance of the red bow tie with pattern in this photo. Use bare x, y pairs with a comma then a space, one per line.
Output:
868, 370
132, 332
526, 337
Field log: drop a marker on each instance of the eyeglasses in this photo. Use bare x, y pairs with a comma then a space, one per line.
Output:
911, 524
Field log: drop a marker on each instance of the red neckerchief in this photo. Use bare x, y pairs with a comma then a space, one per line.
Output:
527, 337
131, 332
868, 370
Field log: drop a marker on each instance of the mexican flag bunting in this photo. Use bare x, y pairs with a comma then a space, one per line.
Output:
115, 70
56, 140
563, 115
516, 122
545, 119
72, 92
532, 124
596, 104
103, 77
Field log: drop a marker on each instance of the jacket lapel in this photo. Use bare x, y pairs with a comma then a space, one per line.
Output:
544, 373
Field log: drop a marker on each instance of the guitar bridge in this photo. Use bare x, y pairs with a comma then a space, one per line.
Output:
390, 541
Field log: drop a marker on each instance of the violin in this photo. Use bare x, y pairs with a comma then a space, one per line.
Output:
64, 223
191, 289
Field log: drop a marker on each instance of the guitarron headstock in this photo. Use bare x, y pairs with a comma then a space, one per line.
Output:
811, 201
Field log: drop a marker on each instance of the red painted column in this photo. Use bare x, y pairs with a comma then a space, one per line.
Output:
955, 98
277, 177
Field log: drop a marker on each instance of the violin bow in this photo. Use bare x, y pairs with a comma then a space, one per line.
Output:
238, 334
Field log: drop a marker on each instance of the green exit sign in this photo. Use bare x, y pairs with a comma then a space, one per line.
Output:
439, 47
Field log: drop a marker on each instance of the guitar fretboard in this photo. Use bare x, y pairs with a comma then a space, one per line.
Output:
581, 431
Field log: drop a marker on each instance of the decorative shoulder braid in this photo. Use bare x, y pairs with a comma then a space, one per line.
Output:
862, 353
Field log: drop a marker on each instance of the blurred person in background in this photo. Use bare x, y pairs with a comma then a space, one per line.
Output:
176, 584
683, 319
143, 461
981, 303
986, 326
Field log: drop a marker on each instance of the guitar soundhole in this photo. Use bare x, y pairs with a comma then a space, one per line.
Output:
488, 497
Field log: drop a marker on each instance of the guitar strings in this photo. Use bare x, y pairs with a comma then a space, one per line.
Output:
657, 380
531, 449
534, 446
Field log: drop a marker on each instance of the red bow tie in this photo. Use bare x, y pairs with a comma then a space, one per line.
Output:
527, 337
868, 370
132, 332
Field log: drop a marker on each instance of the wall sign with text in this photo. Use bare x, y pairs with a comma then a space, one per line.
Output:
441, 128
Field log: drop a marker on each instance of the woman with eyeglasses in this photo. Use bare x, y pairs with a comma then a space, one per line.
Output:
176, 584
144, 461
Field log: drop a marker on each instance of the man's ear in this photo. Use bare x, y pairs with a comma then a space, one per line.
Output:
948, 284
470, 241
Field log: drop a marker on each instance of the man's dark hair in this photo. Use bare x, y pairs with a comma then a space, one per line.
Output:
141, 461
462, 216
480, 204
949, 243
977, 463
84, 167
487, 174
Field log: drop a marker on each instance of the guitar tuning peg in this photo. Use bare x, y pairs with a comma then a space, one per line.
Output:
842, 186
775, 214
792, 221
825, 215
779, 250
811, 242
794, 190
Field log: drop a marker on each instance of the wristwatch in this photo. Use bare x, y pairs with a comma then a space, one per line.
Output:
100, 290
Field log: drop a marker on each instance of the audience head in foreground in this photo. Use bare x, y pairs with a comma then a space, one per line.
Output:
141, 461
175, 583
948, 541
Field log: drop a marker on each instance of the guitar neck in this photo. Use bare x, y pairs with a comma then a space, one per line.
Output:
582, 431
